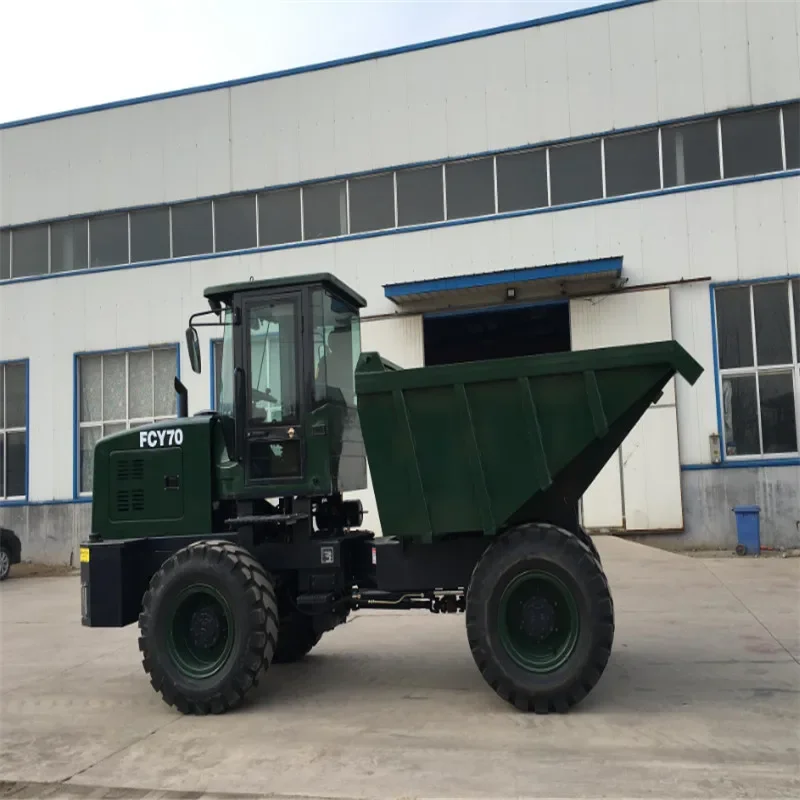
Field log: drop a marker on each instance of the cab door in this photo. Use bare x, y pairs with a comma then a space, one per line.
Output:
271, 340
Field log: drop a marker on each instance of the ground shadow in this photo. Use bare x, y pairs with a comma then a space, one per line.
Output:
641, 677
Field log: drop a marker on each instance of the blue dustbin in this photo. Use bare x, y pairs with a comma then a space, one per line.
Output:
748, 529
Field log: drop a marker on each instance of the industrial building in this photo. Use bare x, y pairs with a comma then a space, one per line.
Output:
621, 174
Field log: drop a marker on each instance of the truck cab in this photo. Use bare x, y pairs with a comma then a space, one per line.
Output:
287, 410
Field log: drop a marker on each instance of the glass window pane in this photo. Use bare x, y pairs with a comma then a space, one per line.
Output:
791, 135
336, 337
632, 163
29, 251
470, 188
89, 438
2, 464
114, 427
165, 367
690, 153
69, 245
372, 203
90, 388
773, 334
192, 233
796, 304
778, 421
740, 415
235, 223
734, 330
5, 255
109, 240
279, 217
751, 143
114, 405
325, 210
273, 363
15, 464
217, 372
420, 195
2, 396
140, 385
522, 180
149, 234
16, 403
576, 172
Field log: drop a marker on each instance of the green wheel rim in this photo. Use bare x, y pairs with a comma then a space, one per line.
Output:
538, 621
201, 631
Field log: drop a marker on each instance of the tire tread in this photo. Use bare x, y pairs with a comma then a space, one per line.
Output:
262, 639
587, 569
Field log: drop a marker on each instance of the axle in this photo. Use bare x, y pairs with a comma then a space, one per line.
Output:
440, 602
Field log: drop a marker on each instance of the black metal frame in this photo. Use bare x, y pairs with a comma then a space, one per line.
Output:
318, 573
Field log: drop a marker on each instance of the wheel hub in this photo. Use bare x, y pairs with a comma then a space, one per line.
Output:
201, 631
205, 628
538, 618
538, 621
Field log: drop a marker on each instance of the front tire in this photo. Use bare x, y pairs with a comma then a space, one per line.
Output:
209, 627
540, 619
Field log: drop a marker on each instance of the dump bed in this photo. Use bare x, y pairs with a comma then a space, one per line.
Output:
478, 446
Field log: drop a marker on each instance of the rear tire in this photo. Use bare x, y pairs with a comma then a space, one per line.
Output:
540, 619
209, 627
296, 638
589, 542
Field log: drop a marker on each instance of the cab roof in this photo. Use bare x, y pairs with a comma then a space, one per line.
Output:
222, 294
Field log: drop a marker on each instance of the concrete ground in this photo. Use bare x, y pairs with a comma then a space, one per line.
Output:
701, 699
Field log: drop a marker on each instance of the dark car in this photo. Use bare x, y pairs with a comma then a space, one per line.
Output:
10, 551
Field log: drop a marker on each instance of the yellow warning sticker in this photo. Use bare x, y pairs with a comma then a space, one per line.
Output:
84, 555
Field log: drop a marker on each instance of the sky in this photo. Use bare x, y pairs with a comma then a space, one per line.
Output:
58, 55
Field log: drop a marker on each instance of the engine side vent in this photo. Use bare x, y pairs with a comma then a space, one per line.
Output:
130, 469
123, 501
137, 500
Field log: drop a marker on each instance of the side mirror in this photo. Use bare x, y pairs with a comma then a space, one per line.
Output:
193, 345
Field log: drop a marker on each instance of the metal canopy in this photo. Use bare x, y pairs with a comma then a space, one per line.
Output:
532, 283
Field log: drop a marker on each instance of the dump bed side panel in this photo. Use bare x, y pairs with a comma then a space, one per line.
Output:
472, 447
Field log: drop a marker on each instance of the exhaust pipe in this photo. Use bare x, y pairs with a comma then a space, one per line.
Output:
183, 398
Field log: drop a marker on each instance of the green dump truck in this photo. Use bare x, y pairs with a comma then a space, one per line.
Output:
230, 537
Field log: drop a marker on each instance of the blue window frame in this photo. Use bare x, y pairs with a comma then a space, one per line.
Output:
116, 390
14, 430
757, 359
739, 145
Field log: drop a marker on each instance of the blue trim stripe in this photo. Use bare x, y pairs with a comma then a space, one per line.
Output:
426, 45
75, 425
745, 464
26, 362
77, 497
789, 276
413, 228
714, 350
556, 271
